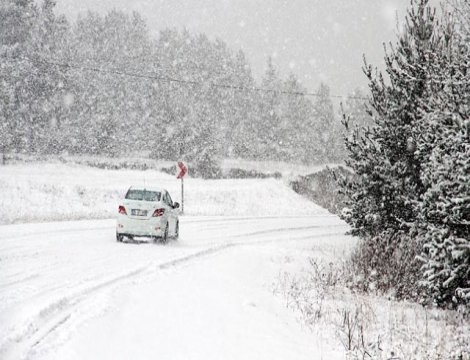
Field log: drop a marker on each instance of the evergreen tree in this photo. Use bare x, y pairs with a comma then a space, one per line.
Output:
269, 124
384, 195
240, 133
28, 34
16, 24
327, 136
70, 88
356, 112
357, 117
48, 40
297, 123
444, 226
109, 108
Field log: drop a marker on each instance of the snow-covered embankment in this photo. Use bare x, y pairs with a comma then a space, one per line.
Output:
50, 192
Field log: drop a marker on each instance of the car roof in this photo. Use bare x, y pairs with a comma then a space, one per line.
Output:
147, 187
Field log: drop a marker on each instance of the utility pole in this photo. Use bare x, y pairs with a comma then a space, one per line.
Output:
182, 195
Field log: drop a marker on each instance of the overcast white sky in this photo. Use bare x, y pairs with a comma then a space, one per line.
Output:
318, 40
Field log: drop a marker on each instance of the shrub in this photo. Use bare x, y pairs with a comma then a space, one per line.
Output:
322, 188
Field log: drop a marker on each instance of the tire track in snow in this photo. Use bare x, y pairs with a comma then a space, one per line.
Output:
54, 315
284, 229
23, 342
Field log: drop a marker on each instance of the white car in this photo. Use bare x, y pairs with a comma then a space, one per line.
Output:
147, 212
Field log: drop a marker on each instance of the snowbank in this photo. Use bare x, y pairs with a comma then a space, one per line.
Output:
45, 192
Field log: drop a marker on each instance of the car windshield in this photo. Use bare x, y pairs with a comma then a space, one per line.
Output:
143, 195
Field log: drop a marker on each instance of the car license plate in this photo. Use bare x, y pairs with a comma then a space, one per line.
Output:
138, 212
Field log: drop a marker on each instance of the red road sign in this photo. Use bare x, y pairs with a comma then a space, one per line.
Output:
183, 170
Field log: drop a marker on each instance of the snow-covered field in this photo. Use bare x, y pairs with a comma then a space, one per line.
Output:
237, 285
54, 191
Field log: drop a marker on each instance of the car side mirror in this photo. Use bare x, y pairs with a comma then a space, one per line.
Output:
176, 205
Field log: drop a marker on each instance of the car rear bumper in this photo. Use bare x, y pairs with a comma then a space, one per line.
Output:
145, 228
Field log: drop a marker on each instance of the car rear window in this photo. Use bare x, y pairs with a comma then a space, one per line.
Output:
143, 195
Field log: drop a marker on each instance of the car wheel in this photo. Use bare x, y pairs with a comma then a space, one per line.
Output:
165, 235
177, 231
119, 237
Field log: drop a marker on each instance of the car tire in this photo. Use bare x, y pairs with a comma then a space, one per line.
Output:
119, 237
165, 235
177, 231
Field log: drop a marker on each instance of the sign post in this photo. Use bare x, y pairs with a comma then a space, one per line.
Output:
182, 172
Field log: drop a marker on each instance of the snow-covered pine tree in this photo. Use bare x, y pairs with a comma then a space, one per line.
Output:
48, 42
382, 198
108, 114
297, 125
30, 87
325, 135
16, 23
269, 121
241, 128
355, 110
444, 226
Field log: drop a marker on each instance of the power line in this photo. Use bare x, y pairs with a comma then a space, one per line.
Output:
180, 81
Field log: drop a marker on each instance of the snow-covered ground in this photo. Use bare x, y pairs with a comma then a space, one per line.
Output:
70, 291
54, 191
237, 285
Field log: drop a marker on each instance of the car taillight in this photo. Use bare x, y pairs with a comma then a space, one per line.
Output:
122, 210
158, 212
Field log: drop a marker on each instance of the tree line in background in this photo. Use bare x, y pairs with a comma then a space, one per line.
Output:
409, 200
103, 85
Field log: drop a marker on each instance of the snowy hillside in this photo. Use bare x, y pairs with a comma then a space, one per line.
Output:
40, 192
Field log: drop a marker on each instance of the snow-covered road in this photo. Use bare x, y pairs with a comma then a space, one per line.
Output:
69, 291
